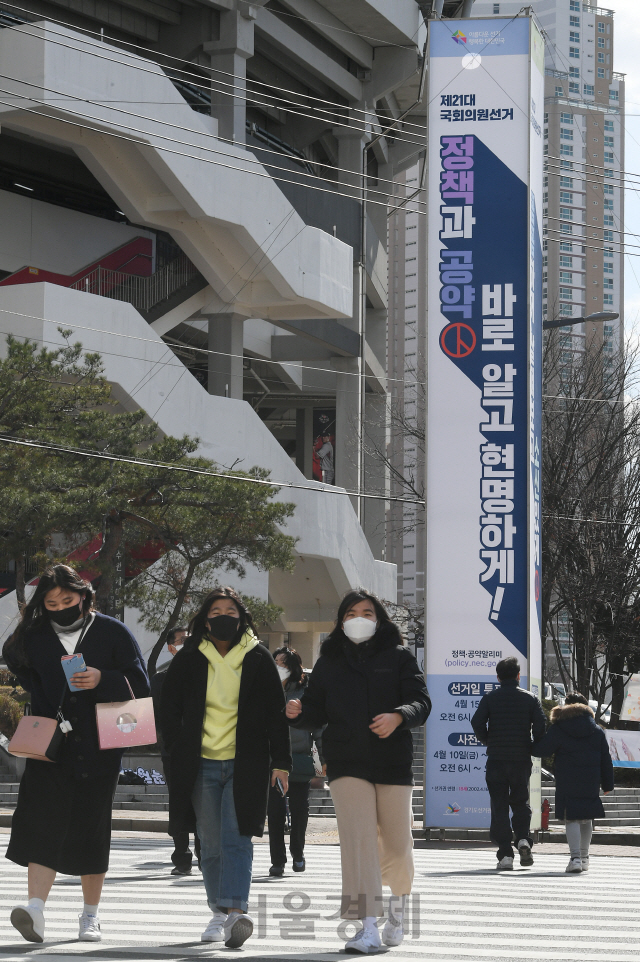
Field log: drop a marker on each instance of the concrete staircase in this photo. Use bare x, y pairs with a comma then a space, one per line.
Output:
622, 807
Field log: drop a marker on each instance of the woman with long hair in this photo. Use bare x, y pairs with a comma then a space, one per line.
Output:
223, 725
62, 822
367, 688
294, 682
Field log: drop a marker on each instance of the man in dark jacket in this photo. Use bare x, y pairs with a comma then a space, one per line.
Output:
505, 721
182, 856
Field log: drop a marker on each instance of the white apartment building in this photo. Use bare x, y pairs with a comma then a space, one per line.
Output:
179, 176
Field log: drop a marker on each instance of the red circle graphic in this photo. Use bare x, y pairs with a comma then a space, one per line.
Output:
456, 344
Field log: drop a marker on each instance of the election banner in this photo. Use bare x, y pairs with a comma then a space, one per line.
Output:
631, 705
624, 748
485, 157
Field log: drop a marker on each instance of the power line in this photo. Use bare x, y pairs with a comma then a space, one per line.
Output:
80, 452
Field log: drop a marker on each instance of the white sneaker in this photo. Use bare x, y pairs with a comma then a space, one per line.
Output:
29, 922
585, 864
574, 866
526, 858
364, 942
505, 864
89, 930
237, 928
214, 931
392, 933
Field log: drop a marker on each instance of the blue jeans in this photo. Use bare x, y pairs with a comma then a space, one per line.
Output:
226, 855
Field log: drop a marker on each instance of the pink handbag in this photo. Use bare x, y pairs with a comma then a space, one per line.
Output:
37, 737
125, 724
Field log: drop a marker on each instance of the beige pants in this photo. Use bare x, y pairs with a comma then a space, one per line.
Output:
376, 844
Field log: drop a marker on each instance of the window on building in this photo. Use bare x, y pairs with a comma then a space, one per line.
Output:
566, 213
600, 28
589, 90
565, 277
574, 52
545, 197
566, 182
566, 261
566, 133
566, 293
574, 21
566, 118
565, 310
566, 165
607, 189
608, 283
600, 57
574, 5
601, 42
574, 71
607, 268
566, 150
608, 203
614, 95
574, 87
608, 125
496, 8
608, 157
608, 252
565, 246
559, 91
574, 37
601, 73
607, 299
566, 197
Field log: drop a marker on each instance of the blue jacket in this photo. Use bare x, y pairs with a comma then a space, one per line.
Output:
582, 761
107, 645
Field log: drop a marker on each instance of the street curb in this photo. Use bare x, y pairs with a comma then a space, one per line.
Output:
480, 835
117, 824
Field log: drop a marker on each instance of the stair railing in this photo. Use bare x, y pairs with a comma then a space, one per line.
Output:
143, 292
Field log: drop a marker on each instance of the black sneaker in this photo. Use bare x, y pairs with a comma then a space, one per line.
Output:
524, 849
276, 871
181, 871
299, 866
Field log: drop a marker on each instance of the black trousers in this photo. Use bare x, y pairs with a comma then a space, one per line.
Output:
182, 855
298, 796
508, 784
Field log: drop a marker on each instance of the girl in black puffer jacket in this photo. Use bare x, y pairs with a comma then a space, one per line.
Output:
368, 690
582, 765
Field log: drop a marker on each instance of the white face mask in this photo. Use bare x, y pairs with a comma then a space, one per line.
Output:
178, 647
359, 629
283, 672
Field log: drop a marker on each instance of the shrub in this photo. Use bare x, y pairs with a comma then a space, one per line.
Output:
10, 715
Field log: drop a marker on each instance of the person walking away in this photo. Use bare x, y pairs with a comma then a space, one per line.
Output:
62, 822
582, 766
367, 689
182, 856
223, 724
294, 682
505, 721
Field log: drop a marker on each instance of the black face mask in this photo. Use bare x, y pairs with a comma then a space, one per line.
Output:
223, 627
66, 616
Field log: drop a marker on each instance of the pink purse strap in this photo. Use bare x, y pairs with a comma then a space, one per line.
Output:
130, 688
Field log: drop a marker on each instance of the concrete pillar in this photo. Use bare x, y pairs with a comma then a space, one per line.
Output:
225, 365
351, 144
229, 55
307, 644
376, 475
348, 446
304, 441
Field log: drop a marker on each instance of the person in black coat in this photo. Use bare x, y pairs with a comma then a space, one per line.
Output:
582, 766
367, 689
62, 822
224, 730
505, 721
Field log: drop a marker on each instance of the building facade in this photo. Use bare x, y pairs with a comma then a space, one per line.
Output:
183, 184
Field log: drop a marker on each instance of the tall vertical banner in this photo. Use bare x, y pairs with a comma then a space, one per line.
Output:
486, 102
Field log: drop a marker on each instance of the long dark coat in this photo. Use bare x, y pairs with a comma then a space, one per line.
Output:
351, 684
262, 735
107, 645
582, 761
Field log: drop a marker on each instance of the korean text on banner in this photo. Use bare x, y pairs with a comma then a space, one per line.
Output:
486, 100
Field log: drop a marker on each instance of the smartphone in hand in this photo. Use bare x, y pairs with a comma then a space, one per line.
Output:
280, 787
72, 664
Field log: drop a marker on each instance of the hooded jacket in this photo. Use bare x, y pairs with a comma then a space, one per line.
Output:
350, 685
582, 761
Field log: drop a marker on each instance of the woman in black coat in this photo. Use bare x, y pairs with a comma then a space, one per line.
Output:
223, 725
368, 690
582, 766
62, 822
